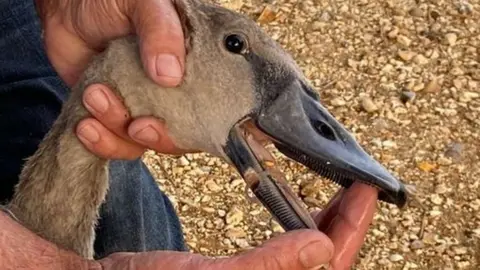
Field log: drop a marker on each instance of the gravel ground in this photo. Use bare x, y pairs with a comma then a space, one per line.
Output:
404, 77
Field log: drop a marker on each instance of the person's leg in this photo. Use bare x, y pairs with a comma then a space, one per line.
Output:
136, 216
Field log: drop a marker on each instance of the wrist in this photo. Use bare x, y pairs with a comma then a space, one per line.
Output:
5, 210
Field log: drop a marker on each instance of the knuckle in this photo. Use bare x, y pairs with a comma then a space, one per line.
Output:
273, 262
107, 151
134, 154
114, 119
94, 86
159, 25
107, 147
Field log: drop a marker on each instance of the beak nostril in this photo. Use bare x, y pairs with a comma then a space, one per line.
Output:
325, 130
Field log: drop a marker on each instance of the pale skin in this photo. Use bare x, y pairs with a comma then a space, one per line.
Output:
113, 134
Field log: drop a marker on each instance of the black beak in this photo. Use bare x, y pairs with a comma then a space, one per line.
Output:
302, 129
307, 133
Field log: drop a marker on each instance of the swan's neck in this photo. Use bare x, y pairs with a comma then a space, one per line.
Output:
62, 186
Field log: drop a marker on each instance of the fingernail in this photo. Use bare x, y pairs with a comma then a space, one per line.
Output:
167, 65
312, 256
97, 100
146, 135
89, 133
322, 266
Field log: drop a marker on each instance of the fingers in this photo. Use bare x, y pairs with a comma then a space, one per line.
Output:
153, 260
154, 134
323, 217
103, 104
103, 143
302, 249
161, 40
111, 134
105, 135
305, 249
350, 216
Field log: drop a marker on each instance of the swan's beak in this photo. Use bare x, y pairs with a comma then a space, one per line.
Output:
302, 129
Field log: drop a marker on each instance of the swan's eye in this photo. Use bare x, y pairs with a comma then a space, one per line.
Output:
235, 43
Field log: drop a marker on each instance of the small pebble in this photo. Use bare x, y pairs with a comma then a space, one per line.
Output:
235, 233
234, 216
234, 4
268, 15
406, 55
458, 83
419, 59
441, 189
383, 261
221, 213
418, 87
454, 151
344, 8
317, 26
405, 41
460, 250
183, 161
276, 227
426, 166
209, 209
417, 244
380, 124
368, 104
464, 7
393, 33
463, 264
338, 102
436, 199
407, 96
468, 96
451, 39
325, 16
433, 86
242, 243
416, 12
395, 258
211, 185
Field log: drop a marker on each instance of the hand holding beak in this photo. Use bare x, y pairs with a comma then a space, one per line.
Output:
343, 226
346, 220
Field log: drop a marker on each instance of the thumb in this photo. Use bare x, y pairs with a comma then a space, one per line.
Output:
161, 40
297, 250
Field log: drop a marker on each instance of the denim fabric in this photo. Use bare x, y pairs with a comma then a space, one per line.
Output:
136, 216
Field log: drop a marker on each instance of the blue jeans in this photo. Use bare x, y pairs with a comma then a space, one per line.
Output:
136, 216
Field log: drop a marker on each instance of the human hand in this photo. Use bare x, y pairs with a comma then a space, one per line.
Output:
345, 220
87, 26
343, 226
111, 132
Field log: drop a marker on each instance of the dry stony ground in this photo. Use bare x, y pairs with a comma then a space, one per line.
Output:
404, 77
